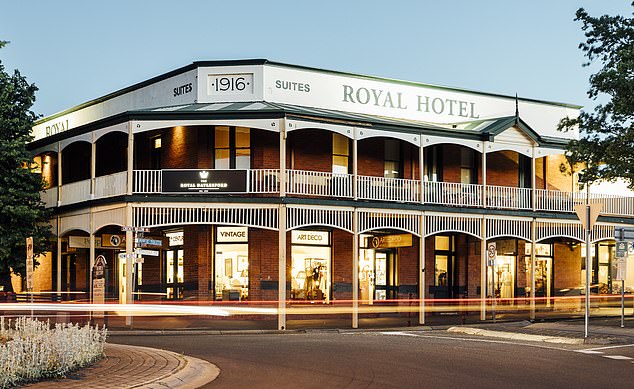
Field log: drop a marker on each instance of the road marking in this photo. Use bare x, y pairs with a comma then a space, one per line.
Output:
589, 352
609, 347
618, 357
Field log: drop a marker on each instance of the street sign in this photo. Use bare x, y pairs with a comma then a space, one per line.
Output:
99, 266
29, 263
621, 268
150, 242
151, 253
124, 256
621, 249
491, 253
595, 210
98, 294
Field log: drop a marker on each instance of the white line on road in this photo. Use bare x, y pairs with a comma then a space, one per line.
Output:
589, 352
609, 347
619, 357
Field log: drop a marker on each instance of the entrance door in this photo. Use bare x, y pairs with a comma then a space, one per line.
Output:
385, 275
543, 271
174, 274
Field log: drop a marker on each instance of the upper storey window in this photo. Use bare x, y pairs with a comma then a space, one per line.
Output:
155, 152
232, 148
340, 154
468, 166
392, 164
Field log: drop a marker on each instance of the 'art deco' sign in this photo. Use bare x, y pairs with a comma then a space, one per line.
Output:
204, 181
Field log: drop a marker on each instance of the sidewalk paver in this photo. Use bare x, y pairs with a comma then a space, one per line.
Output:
137, 367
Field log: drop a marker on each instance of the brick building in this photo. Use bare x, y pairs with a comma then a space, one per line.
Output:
350, 188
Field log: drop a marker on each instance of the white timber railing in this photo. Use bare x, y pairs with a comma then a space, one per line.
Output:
558, 201
388, 189
449, 193
49, 197
75, 192
508, 197
111, 185
325, 184
147, 181
263, 181
311, 183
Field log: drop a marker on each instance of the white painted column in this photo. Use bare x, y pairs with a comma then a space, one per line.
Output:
355, 268
483, 272
484, 174
281, 277
533, 251
355, 166
533, 182
59, 259
421, 172
421, 275
129, 249
91, 255
130, 171
93, 165
59, 174
282, 157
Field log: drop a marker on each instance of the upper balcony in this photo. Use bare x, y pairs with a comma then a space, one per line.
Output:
303, 183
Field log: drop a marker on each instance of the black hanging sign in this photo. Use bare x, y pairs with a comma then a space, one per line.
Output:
204, 181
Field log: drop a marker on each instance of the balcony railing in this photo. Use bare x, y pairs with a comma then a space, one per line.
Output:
110, 185
75, 192
304, 182
558, 201
388, 189
449, 193
508, 198
312, 183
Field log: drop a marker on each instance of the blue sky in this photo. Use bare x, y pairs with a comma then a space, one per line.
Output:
75, 51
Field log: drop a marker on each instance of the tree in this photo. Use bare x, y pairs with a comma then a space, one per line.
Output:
22, 212
606, 145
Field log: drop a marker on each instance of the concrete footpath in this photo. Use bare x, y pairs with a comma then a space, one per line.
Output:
138, 367
600, 331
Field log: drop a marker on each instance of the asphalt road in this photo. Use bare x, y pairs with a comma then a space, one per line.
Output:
397, 359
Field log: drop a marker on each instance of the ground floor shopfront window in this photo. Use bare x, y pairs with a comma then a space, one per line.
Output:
503, 274
311, 265
231, 258
378, 266
603, 272
173, 265
543, 270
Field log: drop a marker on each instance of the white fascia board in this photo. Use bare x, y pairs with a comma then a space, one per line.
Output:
363, 133
292, 125
430, 140
149, 125
177, 90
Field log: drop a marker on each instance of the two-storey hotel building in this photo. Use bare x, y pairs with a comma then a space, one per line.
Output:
351, 188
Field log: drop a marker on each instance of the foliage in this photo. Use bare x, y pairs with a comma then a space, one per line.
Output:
34, 350
606, 144
22, 213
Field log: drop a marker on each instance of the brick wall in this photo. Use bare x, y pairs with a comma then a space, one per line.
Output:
310, 150
370, 157
342, 264
555, 178
502, 168
265, 149
408, 270
263, 264
566, 267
